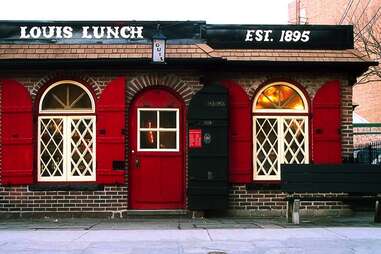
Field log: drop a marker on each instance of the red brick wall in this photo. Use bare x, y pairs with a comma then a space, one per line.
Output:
271, 203
330, 12
346, 120
20, 200
367, 97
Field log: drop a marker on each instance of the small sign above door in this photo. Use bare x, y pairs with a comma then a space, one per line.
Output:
195, 138
158, 51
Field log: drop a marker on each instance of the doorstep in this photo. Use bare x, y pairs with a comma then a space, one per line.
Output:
163, 212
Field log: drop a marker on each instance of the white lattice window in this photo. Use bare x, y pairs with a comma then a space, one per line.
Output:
278, 140
66, 131
280, 130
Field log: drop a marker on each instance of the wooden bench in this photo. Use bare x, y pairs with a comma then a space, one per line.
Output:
356, 181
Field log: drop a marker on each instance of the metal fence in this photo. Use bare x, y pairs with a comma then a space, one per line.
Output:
368, 154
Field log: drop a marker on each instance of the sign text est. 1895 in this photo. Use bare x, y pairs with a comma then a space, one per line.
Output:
260, 35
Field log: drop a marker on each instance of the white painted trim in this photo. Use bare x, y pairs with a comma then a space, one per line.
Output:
301, 94
66, 163
70, 177
51, 178
158, 129
51, 111
281, 150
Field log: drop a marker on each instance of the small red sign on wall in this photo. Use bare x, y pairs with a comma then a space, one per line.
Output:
195, 138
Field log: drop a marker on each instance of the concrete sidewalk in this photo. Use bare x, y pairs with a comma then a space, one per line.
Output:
184, 235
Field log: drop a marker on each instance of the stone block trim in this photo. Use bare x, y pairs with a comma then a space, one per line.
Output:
149, 80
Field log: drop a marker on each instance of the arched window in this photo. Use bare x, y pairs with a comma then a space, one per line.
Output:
280, 97
280, 129
66, 133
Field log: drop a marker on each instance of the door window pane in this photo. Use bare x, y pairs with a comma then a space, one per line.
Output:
167, 139
167, 119
148, 139
148, 119
158, 129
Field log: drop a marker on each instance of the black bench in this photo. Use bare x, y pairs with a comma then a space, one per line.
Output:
357, 181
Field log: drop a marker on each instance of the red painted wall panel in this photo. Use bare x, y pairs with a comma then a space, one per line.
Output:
240, 134
326, 124
17, 134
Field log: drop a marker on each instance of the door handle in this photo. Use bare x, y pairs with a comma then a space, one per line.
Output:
137, 163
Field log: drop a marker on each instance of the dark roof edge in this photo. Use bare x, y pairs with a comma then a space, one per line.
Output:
358, 67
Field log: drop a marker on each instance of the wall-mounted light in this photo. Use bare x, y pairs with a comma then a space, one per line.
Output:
159, 42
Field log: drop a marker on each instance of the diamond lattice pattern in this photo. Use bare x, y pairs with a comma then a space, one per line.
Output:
279, 140
294, 141
51, 147
67, 148
267, 147
82, 147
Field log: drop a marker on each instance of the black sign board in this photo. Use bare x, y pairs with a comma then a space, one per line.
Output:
98, 32
177, 32
279, 36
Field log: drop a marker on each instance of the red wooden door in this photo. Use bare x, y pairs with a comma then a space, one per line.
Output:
326, 124
156, 136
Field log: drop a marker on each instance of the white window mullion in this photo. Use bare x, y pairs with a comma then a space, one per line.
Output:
306, 144
157, 131
138, 128
89, 148
55, 155
280, 143
67, 151
177, 128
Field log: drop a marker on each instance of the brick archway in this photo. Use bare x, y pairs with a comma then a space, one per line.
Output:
175, 83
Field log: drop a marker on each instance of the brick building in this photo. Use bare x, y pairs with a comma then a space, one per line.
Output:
94, 128
358, 13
